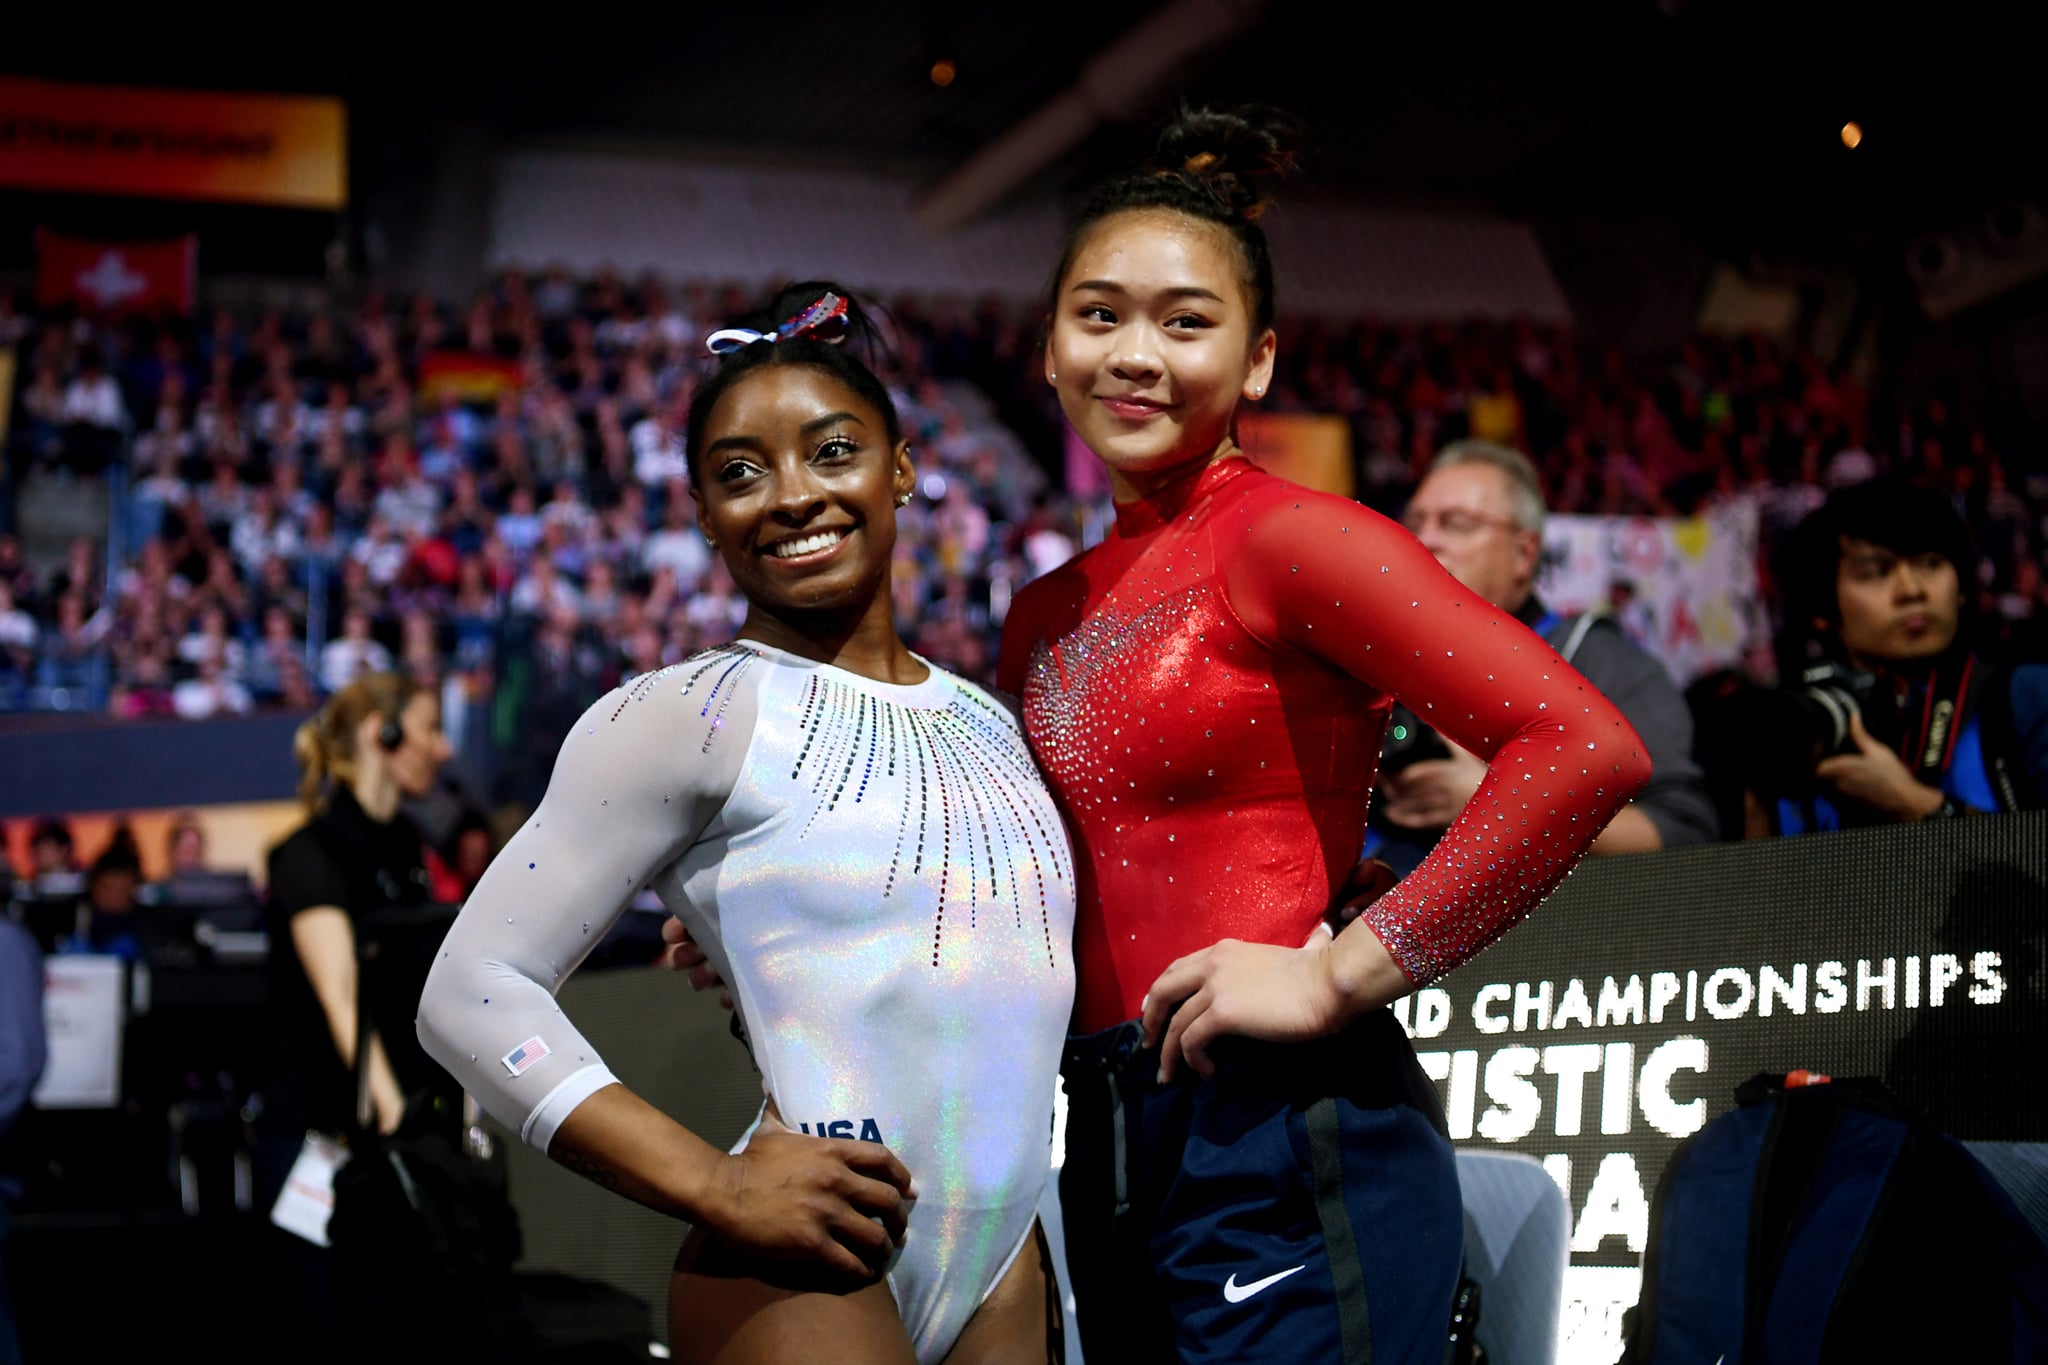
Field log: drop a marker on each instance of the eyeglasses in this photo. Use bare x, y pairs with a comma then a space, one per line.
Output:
1457, 522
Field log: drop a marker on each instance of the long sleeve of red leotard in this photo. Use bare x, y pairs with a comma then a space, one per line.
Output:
1336, 581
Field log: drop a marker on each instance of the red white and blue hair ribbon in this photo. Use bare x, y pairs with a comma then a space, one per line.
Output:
824, 320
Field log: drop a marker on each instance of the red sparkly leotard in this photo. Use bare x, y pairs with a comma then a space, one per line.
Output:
1207, 692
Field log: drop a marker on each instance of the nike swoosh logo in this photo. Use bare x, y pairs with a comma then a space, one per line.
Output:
1234, 1292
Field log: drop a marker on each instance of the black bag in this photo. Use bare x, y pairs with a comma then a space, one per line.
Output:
1827, 1223
424, 1234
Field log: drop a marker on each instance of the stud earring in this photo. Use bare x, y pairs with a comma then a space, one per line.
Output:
712, 543
903, 499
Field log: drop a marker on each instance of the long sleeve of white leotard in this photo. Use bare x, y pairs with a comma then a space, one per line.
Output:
636, 783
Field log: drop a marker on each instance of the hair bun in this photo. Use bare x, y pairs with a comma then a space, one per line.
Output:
1237, 154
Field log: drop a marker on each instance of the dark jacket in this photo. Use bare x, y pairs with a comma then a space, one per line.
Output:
24, 1041
1973, 726
1676, 801
360, 866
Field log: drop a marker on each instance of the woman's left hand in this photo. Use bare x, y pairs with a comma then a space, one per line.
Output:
1250, 990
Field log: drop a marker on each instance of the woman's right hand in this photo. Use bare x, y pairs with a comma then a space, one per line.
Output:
807, 1213
1366, 883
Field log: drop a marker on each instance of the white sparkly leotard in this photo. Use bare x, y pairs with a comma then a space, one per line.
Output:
878, 873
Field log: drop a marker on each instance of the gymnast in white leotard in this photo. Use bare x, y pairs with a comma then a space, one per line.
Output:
864, 849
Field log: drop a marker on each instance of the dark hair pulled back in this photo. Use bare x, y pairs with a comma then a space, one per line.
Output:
1214, 165
846, 359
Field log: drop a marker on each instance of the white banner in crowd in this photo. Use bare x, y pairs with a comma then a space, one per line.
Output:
1686, 589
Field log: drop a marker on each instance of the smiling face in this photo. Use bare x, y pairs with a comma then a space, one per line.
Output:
798, 485
1152, 345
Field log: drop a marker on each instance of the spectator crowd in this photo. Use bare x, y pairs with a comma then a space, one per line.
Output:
1716, 420
495, 498
495, 501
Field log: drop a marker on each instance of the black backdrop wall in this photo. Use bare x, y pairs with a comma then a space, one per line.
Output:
1594, 1038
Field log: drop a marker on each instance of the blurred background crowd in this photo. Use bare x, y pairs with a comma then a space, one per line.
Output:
494, 498
493, 495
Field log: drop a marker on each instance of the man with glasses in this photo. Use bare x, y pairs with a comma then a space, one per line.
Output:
1480, 512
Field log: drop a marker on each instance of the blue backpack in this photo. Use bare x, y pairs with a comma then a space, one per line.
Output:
1823, 1221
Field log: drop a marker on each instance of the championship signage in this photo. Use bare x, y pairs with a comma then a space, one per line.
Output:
1620, 1018
1594, 1038
288, 150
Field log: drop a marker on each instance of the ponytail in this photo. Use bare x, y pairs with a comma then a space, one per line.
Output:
325, 744
311, 754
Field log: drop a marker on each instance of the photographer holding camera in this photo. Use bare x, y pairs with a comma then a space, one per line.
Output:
1480, 512
1892, 708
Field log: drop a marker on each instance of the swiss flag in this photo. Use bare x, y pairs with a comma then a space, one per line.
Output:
116, 277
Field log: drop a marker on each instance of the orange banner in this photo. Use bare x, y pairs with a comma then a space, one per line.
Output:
1311, 449
289, 150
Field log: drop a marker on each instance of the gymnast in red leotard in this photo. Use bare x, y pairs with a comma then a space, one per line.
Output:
1206, 691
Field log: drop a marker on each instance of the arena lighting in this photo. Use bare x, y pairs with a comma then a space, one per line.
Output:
2014, 227
943, 72
1962, 264
1852, 134
1116, 84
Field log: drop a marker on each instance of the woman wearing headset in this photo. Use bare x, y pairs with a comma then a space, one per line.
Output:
375, 744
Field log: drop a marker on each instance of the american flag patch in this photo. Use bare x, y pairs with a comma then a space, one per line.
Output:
525, 1055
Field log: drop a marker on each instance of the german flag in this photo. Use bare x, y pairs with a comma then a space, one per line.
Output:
471, 377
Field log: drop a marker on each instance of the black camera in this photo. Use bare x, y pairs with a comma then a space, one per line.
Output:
1408, 741
1775, 736
1827, 696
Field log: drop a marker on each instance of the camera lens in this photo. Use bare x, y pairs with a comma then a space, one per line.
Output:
1831, 709
1770, 739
